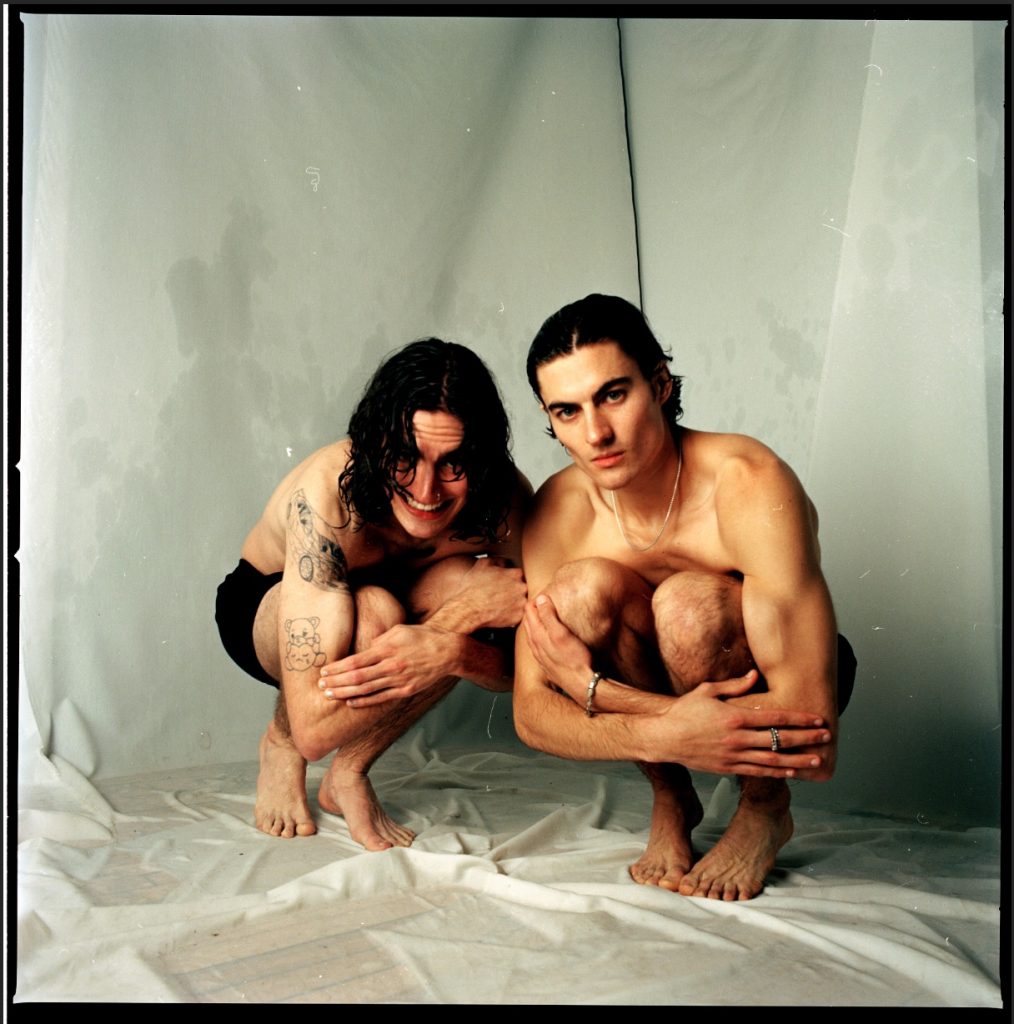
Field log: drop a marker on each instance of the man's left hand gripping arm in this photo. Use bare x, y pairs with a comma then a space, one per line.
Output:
408, 659
788, 617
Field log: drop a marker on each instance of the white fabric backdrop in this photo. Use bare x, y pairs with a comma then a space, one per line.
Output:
820, 213
816, 212
198, 318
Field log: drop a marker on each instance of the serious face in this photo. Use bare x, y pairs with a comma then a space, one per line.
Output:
430, 494
605, 412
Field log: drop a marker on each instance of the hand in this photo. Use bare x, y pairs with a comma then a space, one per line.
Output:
701, 731
564, 659
400, 663
491, 596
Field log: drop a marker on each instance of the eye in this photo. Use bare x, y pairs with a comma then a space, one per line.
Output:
565, 412
616, 395
450, 469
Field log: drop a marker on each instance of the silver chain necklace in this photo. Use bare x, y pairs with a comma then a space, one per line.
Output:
661, 530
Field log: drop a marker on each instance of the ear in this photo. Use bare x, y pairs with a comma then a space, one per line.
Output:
288, 625
661, 383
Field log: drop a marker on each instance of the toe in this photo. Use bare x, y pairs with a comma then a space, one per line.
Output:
306, 828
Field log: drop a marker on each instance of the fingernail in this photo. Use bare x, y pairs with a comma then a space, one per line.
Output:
321, 683
328, 693
815, 761
541, 599
826, 737
323, 671
791, 773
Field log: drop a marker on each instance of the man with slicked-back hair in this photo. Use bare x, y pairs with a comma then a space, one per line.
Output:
680, 617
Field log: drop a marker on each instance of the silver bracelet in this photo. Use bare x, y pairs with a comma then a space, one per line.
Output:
592, 683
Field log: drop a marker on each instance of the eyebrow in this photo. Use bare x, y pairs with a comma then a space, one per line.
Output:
600, 393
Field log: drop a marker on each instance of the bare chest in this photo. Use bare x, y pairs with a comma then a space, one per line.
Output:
689, 542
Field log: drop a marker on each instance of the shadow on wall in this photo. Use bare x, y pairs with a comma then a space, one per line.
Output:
174, 513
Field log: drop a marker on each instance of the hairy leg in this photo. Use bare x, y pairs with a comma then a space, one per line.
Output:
609, 608
281, 808
699, 618
346, 788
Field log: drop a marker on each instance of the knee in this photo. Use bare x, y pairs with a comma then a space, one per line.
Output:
588, 597
697, 608
436, 584
377, 610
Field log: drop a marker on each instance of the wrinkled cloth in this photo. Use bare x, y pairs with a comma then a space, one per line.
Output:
157, 887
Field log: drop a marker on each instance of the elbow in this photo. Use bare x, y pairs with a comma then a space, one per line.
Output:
524, 725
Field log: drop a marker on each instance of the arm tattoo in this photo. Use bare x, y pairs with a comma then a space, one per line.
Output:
315, 542
302, 648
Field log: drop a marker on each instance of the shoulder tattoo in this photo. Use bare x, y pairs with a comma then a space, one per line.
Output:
319, 555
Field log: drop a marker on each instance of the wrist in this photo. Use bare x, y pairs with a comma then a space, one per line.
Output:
456, 617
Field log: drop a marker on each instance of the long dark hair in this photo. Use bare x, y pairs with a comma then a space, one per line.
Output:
431, 375
597, 318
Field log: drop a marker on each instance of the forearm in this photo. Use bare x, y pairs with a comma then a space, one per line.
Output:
484, 664
550, 721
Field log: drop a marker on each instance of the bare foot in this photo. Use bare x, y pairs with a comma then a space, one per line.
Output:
668, 855
349, 793
281, 808
736, 866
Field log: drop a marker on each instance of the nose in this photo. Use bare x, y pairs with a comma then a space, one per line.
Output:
424, 486
597, 429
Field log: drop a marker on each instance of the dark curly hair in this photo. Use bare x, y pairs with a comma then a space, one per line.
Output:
431, 375
598, 318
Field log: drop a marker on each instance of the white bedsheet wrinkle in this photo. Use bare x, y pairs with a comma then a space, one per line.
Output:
895, 943
518, 894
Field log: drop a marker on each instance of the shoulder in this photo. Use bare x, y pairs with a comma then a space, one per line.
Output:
739, 467
314, 483
760, 505
560, 511
568, 489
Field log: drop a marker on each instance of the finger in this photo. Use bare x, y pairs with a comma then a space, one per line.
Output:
764, 718
779, 760
338, 680
734, 687
349, 693
786, 738
761, 771
546, 611
352, 662
377, 698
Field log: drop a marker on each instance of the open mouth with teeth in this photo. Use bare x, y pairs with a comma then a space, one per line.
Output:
421, 509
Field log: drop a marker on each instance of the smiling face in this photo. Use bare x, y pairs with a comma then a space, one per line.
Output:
429, 494
607, 414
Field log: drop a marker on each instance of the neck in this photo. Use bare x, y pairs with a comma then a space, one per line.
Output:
641, 495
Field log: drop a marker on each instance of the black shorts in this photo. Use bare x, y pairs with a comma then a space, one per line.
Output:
846, 672
239, 597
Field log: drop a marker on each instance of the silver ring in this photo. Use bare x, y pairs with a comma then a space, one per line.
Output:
776, 743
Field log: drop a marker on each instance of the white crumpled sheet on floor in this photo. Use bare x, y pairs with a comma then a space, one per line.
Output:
516, 891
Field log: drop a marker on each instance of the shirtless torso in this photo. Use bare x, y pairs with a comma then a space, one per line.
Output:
679, 606
373, 622
371, 546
